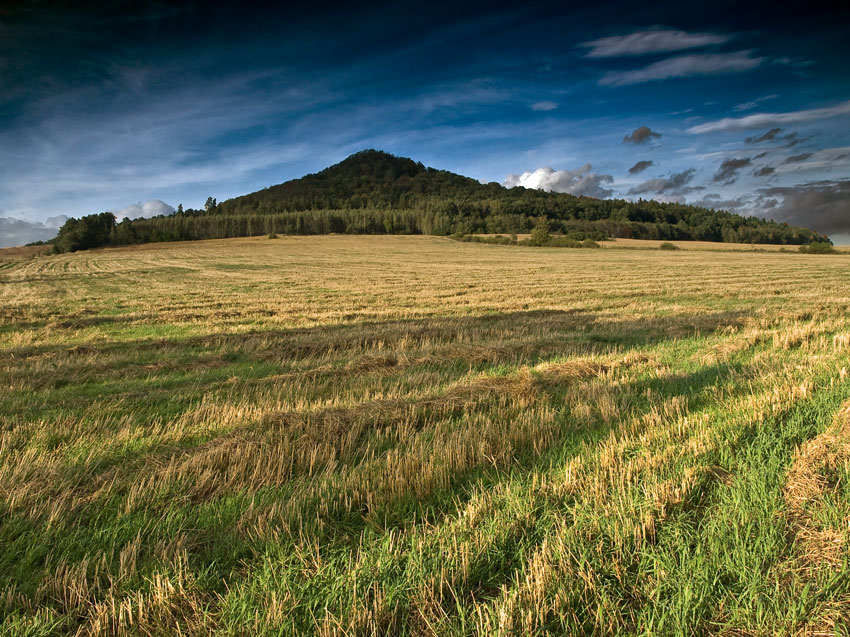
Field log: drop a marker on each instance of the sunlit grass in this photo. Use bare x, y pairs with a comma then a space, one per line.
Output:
409, 435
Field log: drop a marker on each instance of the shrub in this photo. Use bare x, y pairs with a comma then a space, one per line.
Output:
498, 239
818, 247
584, 236
271, 235
561, 242
668, 246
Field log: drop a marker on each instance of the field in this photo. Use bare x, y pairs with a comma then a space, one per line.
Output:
414, 436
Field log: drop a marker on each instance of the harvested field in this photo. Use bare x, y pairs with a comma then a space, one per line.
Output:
408, 435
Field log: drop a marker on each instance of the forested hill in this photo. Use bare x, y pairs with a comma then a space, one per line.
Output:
373, 192
368, 179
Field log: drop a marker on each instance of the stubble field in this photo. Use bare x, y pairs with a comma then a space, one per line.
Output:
414, 436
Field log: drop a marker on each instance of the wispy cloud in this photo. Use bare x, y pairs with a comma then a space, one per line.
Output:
650, 41
685, 66
796, 159
728, 172
717, 202
675, 184
767, 137
792, 139
824, 160
582, 181
764, 120
545, 105
750, 105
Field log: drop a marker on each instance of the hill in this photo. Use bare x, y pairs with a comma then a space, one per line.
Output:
373, 192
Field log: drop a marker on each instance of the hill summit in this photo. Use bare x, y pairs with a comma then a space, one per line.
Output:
367, 179
374, 192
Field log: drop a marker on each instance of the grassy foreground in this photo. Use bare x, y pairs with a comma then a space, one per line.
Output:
412, 436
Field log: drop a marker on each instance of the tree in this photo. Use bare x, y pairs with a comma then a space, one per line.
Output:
540, 234
210, 205
90, 231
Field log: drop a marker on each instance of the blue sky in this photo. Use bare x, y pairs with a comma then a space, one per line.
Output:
135, 107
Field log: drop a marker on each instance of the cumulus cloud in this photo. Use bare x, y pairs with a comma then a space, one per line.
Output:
767, 137
764, 120
545, 105
750, 105
764, 171
728, 172
675, 184
640, 135
582, 181
150, 208
639, 167
684, 66
17, 232
821, 205
651, 41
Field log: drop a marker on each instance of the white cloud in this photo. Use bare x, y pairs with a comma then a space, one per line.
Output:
581, 181
765, 120
150, 208
17, 232
652, 41
545, 105
54, 223
684, 66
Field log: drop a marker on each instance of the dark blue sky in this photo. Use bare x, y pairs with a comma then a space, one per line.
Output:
125, 105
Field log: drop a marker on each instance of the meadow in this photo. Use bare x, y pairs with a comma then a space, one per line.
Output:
408, 435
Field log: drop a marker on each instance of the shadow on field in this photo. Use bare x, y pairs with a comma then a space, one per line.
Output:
521, 337
345, 349
473, 342
297, 342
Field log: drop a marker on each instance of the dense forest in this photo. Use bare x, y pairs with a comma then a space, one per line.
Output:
373, 192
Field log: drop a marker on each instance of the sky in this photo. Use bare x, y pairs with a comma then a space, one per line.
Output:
136, 107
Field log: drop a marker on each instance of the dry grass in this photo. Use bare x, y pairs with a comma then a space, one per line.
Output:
819, 466
409, 435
